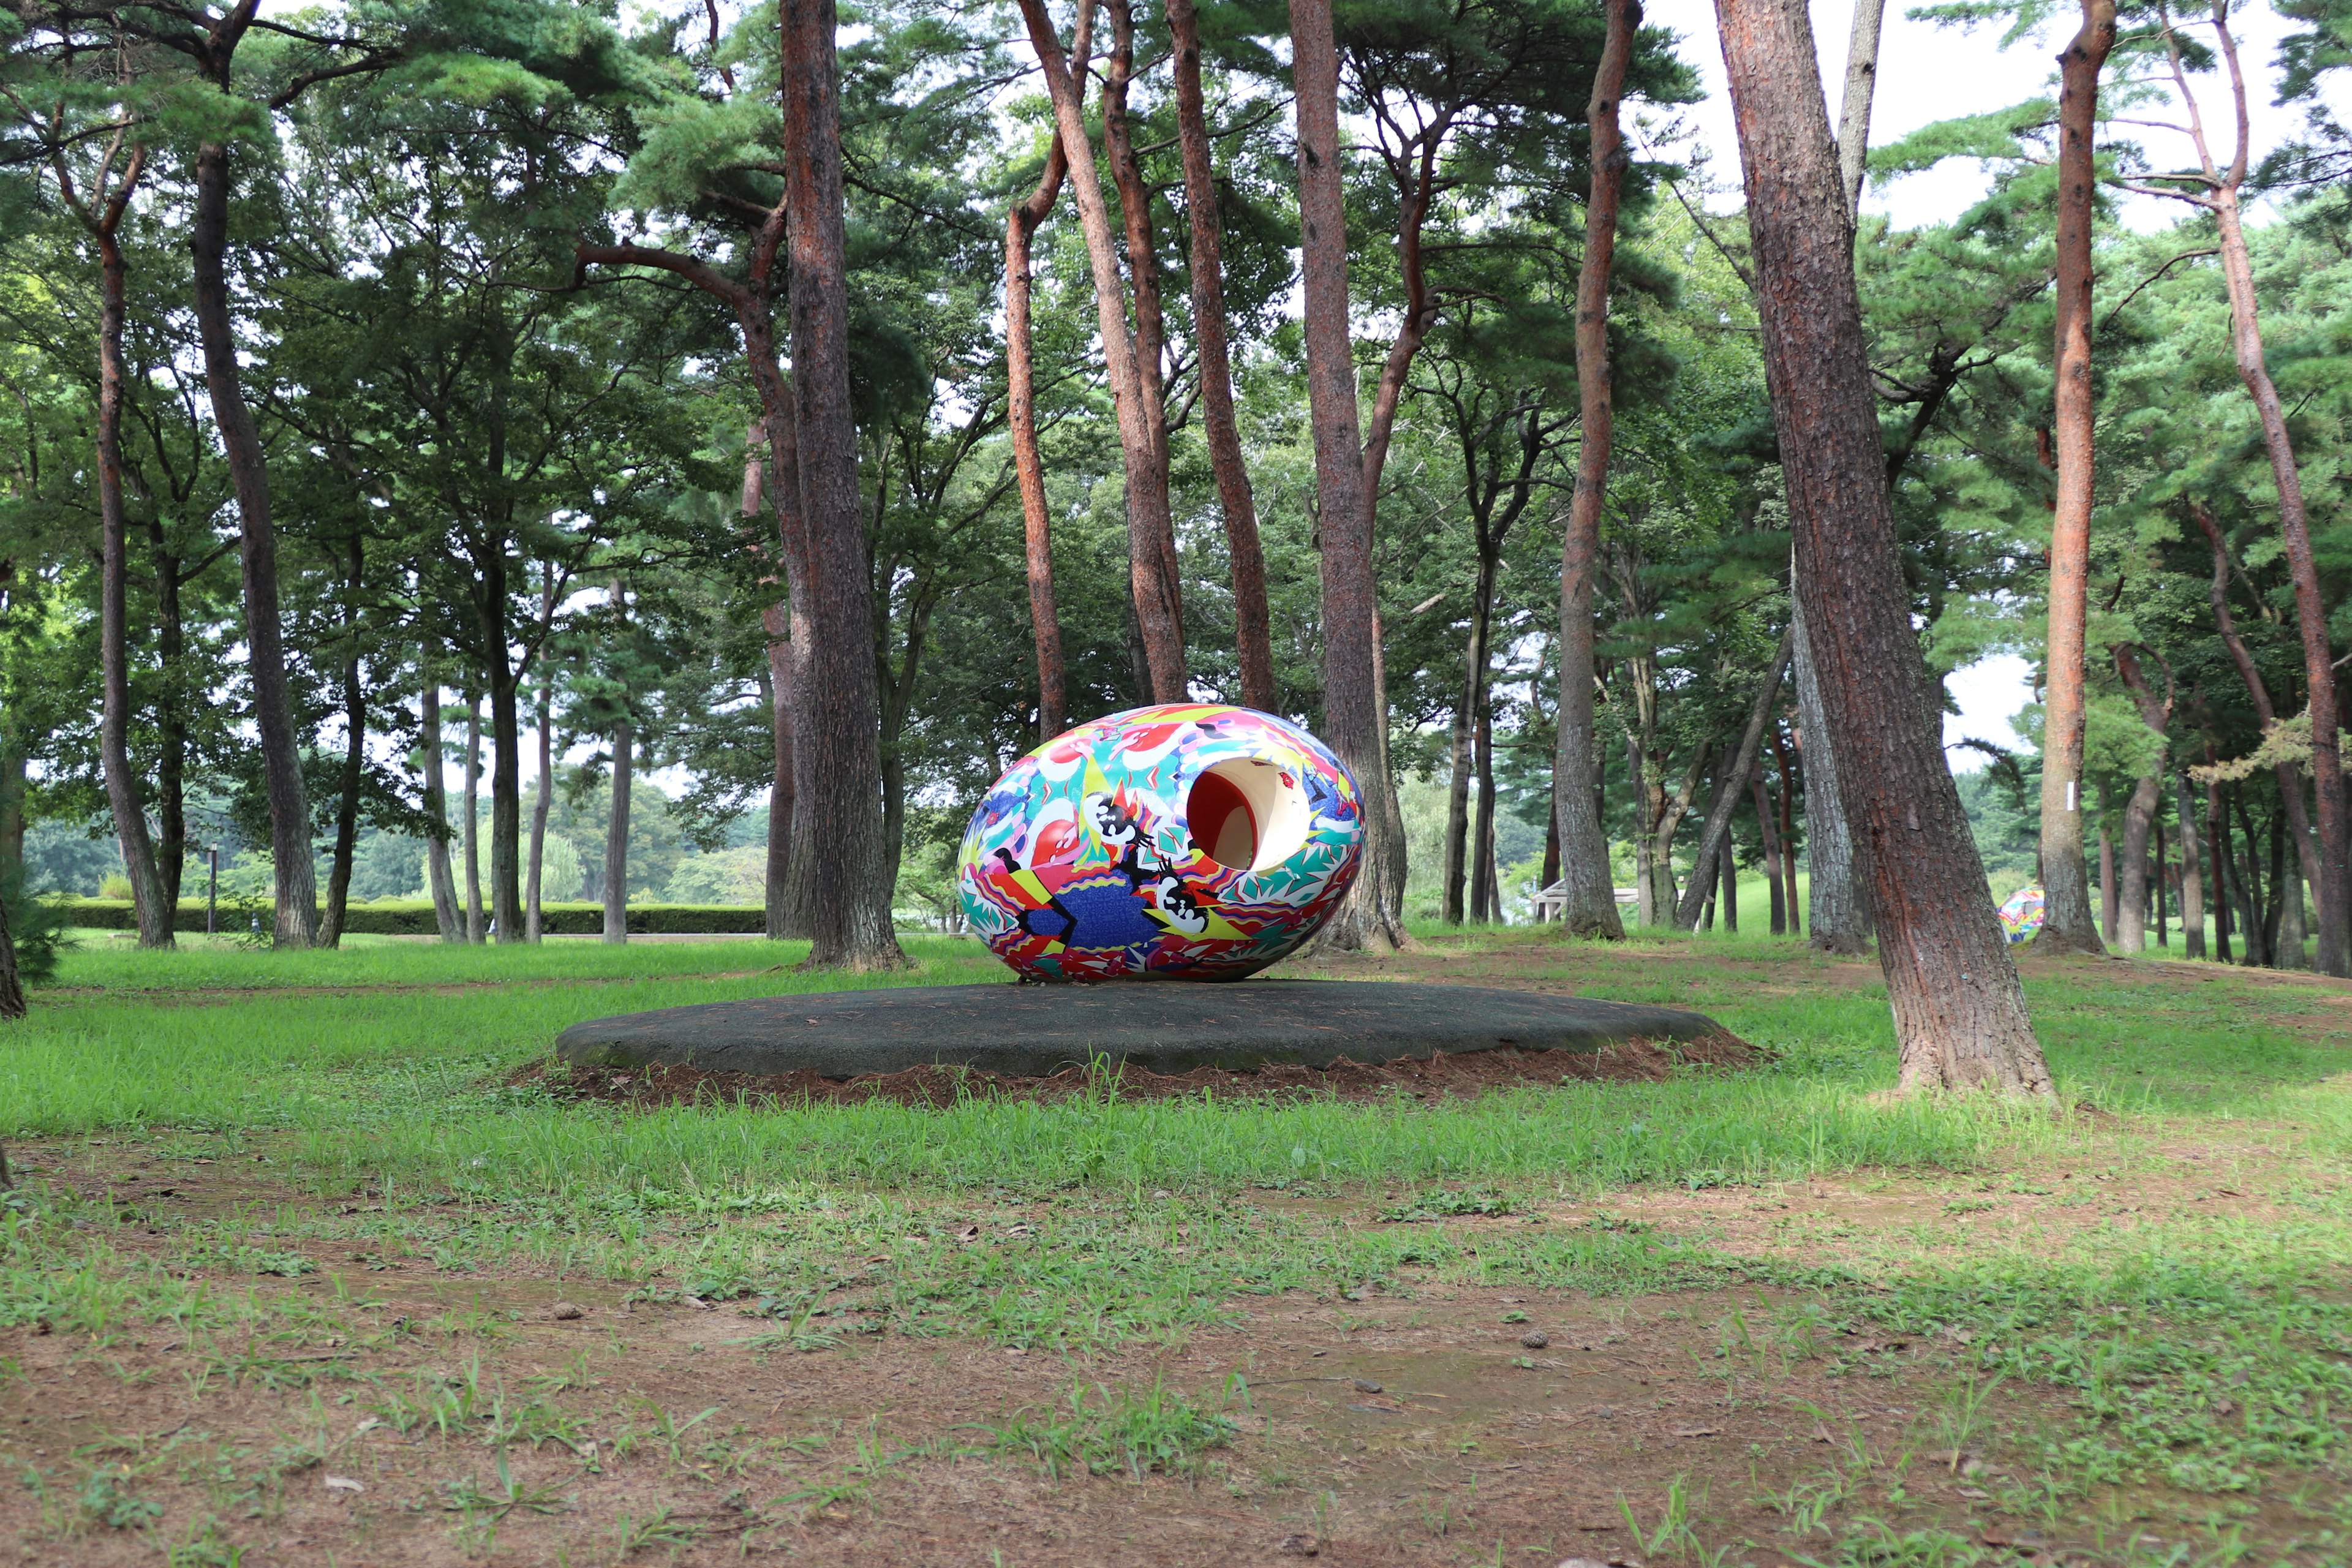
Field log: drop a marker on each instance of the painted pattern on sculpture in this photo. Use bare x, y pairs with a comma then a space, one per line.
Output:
1191, 841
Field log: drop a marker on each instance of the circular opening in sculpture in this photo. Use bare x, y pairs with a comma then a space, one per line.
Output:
1246, 814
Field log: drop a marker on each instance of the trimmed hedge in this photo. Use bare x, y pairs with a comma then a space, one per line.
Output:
415, 917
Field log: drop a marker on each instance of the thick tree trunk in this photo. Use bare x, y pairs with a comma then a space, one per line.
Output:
1743, 765
1159, 611
1836, 909
506, 801
12, 803
1353, 721
436, 806
1731, 865
617, 834
1959, 1013
2192, 881
2066, 906
1020, 418
850, 914
1253, 625
1142, 256
469, 830
296, 886
2217, 847
2288, 949
2158, 878
1587, 885
149, 904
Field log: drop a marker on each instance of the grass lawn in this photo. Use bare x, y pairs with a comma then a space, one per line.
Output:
300, 1270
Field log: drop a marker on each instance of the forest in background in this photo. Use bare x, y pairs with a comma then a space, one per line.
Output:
485, 278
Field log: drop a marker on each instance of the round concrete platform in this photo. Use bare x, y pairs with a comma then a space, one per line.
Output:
1035, 1031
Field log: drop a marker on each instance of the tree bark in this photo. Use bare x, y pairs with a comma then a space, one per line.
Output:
1854, 111
1727, 799
1486, 899
436, 806
2192, 881
171, 723
1252, 624
1587, 885
1142, 257
2066, 907
1021, 417
295, 885
850, 914
1457, 799
617, 834
149, 903
1836, 911
1959, 1012
1157, 609
469, 830
1353, 721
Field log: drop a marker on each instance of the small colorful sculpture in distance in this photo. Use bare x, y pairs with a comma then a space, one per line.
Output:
1190, 841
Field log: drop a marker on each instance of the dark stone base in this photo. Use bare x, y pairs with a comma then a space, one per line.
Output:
1035, 1031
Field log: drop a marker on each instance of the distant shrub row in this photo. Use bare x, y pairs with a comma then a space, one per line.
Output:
414, 917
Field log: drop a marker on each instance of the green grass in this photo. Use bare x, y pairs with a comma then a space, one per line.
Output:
2201, 1353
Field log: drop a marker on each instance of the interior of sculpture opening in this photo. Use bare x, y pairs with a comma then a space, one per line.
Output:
1244, 814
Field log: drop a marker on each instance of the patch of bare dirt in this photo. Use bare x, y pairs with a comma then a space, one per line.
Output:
1442, 1076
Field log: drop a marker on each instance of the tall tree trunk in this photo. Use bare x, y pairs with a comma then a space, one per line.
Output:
1670, 811
1836, 909
1353, 719
1854, 111
1731, 865
2217, 840
2192, 881
2066, 906
12, 803
469, 830
1457, 805
153, 913
616, 833
2289, 949
1021, 417
506, 801
1253, 625
850, 914
534, 915
1727, 799
1790, 783
2108, 903
296, 884
2148, 795
170, 720
1393, 807
1771, 854
436, 806
776, 620
2163, 938
1142, 263
347, 793
2246, 880
1587, 885
1158, 612
1959, 1013
1486, 899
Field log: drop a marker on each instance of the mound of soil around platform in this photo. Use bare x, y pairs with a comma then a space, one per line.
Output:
1441, 1076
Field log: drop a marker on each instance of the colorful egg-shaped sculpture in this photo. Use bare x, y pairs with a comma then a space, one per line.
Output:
1184, 842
